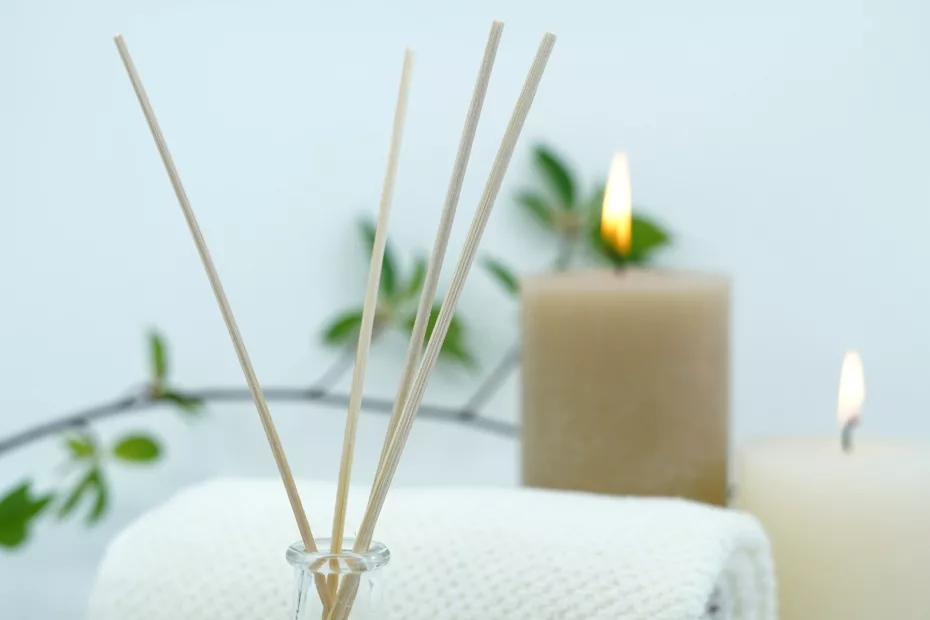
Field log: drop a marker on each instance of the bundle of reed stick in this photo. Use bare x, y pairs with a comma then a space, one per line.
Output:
337, 598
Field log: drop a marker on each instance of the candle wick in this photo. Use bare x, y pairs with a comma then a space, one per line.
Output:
846, 438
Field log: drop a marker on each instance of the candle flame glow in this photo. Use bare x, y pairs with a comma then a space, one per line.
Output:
852, 388
617, 212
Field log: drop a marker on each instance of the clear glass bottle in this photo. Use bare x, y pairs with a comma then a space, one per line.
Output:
318, 572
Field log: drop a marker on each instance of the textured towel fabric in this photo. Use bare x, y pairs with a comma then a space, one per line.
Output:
217, 551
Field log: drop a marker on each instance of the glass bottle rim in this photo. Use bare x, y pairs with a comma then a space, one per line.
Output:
347, 562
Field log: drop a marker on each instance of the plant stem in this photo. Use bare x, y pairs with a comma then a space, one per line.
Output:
320, 392
492, 383
74, 420
511, 358
566, 249
340, 366
143, 402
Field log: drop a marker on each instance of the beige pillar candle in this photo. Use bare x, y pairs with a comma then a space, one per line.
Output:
626, 374
850, 529
626, 383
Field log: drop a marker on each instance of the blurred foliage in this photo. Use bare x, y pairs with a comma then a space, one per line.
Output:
398, 297
573, 218
18, 509
136, 449
502, 274
556, 203
84, 488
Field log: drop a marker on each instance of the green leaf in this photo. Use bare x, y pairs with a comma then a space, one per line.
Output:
94, 484
453, 347
596, 203
646, 237
388, 285
18, 509
13, 534
187, 404
74, 497
417, 279
343, 328
101, 501
80, 446
504, 276
557, 174
158, 354
456, 350
537, 206
136, 448
430, 323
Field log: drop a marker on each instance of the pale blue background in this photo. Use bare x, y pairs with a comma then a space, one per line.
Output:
785, 144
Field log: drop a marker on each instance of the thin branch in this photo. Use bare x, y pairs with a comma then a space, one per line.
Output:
338, 400
494, 381
74, 420
511, 359
320, 392
340, 366
566, 252
333, 399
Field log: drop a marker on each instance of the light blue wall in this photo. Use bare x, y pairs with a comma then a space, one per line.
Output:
786, 145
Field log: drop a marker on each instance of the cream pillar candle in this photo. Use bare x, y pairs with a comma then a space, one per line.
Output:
626, 374
626, 383
850, 530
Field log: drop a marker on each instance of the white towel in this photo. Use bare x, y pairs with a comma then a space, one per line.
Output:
217, 551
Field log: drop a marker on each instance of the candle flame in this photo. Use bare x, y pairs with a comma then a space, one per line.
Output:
852, 388
617, 212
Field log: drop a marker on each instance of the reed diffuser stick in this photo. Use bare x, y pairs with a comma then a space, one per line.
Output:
370, 308
418, 389
277, 450
345, 597
441, 242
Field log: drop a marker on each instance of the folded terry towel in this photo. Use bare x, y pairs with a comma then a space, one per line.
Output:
217, 551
